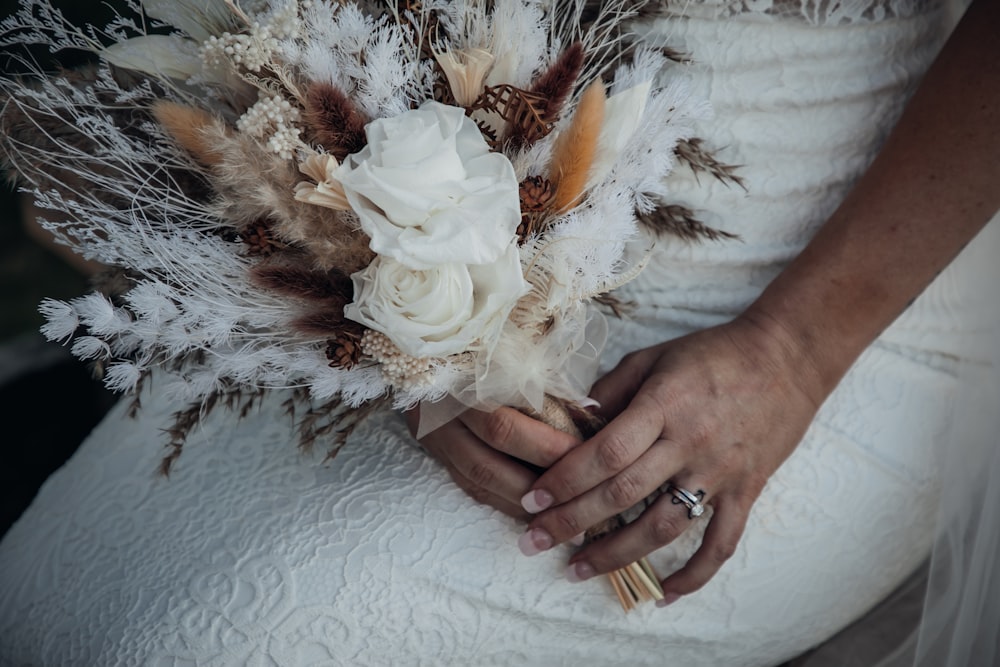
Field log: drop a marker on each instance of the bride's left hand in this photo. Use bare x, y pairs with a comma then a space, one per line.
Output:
718, 410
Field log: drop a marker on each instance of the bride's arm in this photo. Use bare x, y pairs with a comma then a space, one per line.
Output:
934, 185
721, 409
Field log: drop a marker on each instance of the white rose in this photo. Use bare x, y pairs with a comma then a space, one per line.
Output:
443, 310
429, 191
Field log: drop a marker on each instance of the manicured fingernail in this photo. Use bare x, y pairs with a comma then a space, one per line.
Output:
535, 541
536, 501
668, 599
590, 404
579, 572
578, 540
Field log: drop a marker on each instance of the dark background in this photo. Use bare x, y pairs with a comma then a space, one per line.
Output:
49, 401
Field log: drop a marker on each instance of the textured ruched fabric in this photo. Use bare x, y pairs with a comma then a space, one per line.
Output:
252, 553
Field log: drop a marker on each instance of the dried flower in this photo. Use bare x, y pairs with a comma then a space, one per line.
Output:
466, 70
273, 118
345, 350
327, 191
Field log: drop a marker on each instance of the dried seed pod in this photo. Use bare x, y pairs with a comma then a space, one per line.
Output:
344, 351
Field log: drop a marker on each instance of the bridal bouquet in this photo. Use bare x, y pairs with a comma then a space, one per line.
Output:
414, 203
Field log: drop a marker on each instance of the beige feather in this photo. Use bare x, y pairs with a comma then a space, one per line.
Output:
575, 147
187, 125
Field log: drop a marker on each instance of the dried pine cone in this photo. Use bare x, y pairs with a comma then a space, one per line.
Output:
344, 351
536, 195
260, 241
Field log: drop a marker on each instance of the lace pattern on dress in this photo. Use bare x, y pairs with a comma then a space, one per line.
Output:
811, 12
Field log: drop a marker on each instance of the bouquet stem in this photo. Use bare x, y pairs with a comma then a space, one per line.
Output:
636, 582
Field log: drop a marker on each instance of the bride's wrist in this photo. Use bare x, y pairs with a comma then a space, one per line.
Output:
809, 364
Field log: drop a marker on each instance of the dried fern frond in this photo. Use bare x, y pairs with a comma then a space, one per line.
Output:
183, 422
333, 421
700, 159
680, 221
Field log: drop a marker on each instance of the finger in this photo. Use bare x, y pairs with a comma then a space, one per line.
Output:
615, 447
485, 469
615, 390
515, 433
626, 489
661, 523
729, 518
485, 497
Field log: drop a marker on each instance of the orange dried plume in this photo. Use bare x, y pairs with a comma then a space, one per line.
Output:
575, 147
185, 125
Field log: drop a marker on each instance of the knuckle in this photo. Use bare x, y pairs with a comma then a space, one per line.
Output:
664, 528
564, 487
548, 452
499, 427
722, 551
482, 475
624, 490
702, 433
568, 524
613, 453
477, 493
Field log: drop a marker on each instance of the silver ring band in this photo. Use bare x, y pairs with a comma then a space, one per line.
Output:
690, 500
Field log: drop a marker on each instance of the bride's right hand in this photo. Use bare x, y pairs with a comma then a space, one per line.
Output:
495, 457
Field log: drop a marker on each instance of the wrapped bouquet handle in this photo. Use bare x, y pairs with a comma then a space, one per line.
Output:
637, 582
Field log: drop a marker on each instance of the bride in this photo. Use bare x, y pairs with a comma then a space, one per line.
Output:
819, 389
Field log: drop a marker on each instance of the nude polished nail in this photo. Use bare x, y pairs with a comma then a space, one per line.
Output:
536, 501
668, 599
535, 541
580, 571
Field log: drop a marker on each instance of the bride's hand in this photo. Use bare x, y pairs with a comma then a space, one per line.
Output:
718, 411
494, 457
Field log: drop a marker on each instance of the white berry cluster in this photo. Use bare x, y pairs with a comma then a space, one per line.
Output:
399, 369
273, 117
257, 47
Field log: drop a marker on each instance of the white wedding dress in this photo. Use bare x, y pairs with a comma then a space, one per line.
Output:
252, 553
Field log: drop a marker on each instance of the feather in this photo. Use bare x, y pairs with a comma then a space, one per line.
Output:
575, 147
186, 126
623, 114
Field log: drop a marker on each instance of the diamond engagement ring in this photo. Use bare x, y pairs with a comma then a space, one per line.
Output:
690, 500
